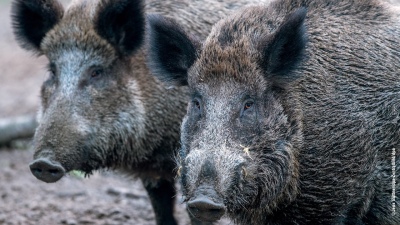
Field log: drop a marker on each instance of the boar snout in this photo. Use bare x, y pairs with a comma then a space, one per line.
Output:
206, 205
47, 171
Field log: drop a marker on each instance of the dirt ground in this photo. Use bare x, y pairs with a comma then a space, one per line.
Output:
104, 198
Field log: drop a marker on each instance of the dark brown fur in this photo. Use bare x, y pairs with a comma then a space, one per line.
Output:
315, 144
100, 108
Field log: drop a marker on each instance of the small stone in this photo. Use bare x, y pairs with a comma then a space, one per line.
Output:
115, 212
2, 218
101, 215
133, 195
113, 191
3, 196
85, 221
69, 222
71, 194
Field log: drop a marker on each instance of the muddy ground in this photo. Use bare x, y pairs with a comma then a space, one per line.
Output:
104, 198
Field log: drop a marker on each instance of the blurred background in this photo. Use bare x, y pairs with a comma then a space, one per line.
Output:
104, 198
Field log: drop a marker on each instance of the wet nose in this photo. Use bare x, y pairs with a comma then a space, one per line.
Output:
206, 209
46, 171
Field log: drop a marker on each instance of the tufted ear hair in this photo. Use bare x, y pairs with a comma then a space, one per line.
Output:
283, 50
171, 50
32, 19
121, 23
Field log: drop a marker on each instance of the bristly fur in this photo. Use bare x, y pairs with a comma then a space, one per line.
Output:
32, 19
167, 40
100, 108
284, 50
315, 150
121, 23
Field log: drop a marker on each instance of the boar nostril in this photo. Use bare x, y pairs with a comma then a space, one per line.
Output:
36, 170
206, 209
46, 171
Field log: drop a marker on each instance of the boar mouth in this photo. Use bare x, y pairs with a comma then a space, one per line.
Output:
206, 205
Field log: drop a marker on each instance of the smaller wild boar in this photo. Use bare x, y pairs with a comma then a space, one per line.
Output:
294, 112
100, 108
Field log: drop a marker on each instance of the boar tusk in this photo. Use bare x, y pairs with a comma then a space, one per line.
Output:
179, 171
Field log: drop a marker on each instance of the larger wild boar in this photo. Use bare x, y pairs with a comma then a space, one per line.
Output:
294, 112
100, 108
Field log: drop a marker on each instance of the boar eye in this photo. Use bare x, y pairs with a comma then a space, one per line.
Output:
196, 104
247, 108
248, 105
96, 73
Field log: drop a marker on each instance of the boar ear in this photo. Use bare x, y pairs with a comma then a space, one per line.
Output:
121, 23
171, 51
284, 49
32, 19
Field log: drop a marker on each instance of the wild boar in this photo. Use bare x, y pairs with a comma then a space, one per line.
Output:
294, 112
99, 106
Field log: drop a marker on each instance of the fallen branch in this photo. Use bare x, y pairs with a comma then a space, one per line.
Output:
17, 128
